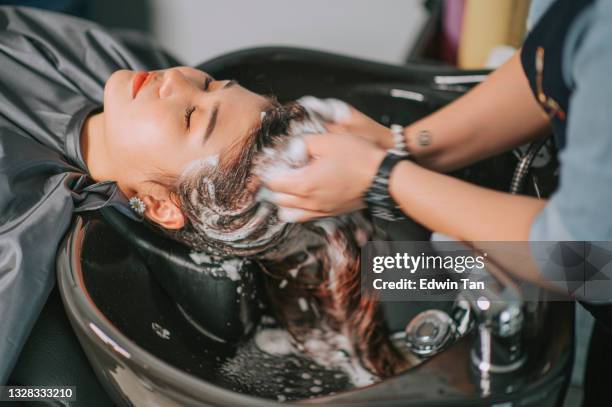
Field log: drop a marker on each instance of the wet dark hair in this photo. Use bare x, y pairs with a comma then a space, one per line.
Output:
228, 187
233, 179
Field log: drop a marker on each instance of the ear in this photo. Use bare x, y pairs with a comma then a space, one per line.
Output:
164, 211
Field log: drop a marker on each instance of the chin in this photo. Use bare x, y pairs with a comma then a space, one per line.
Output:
116, 96
117, 87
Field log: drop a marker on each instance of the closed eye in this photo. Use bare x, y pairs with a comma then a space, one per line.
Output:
188, 112
207, 82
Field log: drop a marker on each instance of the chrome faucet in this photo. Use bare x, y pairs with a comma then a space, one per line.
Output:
498, 314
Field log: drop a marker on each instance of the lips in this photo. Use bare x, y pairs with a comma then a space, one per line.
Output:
139, 80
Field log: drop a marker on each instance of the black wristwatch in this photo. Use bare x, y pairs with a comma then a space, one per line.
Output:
377, 197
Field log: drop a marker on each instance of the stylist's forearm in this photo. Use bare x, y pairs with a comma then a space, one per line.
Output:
496, 115
459, 209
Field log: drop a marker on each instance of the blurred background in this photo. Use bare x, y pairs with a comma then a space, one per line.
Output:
467, 33
463, 33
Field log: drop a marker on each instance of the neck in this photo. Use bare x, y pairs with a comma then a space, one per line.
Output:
93, 149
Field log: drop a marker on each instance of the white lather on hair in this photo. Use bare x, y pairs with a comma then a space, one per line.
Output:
325, 249
295, 154
287, 156
329, 110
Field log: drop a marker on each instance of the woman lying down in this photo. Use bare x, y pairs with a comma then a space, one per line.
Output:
205, 144
88, 121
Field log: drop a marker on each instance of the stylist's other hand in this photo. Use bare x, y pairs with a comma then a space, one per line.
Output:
340, 170
342, 118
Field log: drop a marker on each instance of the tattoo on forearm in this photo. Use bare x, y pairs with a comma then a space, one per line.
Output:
424, 138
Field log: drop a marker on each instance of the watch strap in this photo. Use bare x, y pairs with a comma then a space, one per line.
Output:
377, 197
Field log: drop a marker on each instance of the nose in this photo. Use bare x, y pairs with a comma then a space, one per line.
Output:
174, 83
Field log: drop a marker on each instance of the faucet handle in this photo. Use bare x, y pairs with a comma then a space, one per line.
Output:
498, 343
429, 332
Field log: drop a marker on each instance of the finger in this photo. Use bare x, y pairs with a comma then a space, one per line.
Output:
285, 200
267, 195
293, 215
305, 203
282, 180
317, 143
336, 128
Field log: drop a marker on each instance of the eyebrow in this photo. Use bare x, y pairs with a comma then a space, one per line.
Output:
230, 84
212, 122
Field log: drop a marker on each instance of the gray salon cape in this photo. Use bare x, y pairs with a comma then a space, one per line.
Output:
52, 73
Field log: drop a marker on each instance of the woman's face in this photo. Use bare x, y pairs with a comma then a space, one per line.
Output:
158, 122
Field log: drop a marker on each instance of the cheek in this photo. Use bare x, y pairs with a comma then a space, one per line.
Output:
129, 135
143, 138
117, 110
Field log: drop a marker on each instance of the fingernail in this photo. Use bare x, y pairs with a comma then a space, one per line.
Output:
290, 215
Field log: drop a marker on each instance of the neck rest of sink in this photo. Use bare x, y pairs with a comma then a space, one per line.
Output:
222, 301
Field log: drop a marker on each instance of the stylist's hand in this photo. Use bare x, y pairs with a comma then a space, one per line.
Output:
342, 118
341, 169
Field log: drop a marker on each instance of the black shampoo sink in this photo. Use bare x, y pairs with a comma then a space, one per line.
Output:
161, 329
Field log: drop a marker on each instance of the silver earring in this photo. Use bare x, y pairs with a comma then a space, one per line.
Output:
137, 205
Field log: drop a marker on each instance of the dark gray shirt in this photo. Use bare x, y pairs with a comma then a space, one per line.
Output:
52, 74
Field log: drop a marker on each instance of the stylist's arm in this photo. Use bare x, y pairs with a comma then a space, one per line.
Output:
493, 117
340, 171
343, 166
